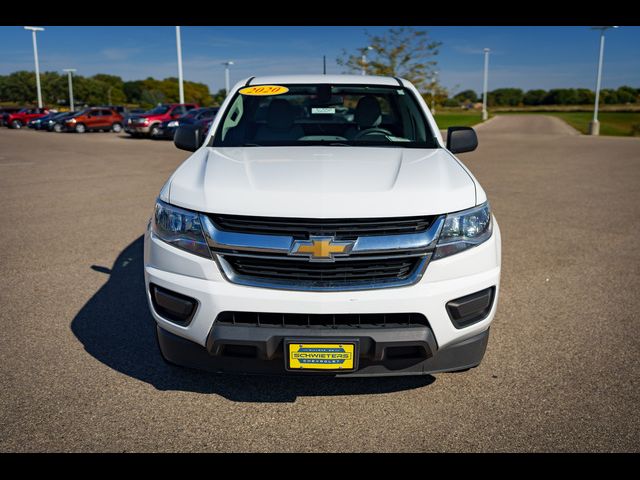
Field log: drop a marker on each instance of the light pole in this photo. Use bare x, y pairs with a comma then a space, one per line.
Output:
226, 75
70, 75
485, 115
179, 47
594, 125
433, 93
35, 56
364, 59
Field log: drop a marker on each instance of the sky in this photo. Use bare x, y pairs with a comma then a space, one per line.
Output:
522, 57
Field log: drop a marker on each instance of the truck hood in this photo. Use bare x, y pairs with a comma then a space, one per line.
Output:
322, 182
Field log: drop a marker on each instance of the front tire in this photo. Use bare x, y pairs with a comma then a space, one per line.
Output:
80, 128
116, 127
57, 128
155, 131
16, 124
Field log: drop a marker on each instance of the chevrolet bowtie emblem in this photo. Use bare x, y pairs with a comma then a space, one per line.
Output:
321, 248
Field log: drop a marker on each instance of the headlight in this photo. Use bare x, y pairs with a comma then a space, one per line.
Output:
180, 228
464, 230
173, 123
71, 120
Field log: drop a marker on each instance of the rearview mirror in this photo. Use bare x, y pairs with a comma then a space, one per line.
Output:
461, 139
187, 137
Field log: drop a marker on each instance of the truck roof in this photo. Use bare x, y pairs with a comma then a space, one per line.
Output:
333, 79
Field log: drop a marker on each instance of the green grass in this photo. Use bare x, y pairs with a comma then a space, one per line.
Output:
446, 119
619, 124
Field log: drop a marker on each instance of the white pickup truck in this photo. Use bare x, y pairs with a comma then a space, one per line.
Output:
323, 227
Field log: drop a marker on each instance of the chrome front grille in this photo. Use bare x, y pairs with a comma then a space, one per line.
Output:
341, 270
259, 251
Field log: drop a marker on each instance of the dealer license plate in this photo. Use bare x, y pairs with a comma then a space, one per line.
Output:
321, 356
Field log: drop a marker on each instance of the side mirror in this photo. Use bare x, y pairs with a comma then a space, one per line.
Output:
461, 139
187, 138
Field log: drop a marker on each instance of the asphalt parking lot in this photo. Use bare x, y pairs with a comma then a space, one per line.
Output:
80, 371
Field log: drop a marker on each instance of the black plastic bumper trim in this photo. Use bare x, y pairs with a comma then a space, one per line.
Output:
269, 358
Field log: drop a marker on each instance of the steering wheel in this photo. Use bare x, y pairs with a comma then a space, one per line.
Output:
372, 131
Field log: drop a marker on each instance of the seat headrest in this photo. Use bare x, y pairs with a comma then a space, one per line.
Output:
368, 113
280, 115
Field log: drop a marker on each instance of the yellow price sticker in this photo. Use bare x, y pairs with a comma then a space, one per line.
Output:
260, 90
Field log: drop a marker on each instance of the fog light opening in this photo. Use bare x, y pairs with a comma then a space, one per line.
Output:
470, 309
173, 306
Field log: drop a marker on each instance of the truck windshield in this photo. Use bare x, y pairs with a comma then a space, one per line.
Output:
159, 110
321, 114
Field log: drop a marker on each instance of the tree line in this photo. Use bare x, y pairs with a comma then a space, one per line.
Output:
101, 89
104, 89
513, 97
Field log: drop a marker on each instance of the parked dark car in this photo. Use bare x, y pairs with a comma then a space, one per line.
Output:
36, 123
168, 128
132, 113
95, 118
56, 122
203, 127
6, 111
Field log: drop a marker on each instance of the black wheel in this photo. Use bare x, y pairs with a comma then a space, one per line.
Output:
155, 131
57, 128
16, 124
80, 128
116, 127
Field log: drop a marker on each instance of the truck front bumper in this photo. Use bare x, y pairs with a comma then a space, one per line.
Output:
373, 361
137, 128
438, 346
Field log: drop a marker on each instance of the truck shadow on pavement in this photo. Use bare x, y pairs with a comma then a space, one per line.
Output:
116, 328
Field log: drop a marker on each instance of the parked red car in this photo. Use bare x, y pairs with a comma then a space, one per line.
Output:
149, 122
97, 118
23, 116
5, 112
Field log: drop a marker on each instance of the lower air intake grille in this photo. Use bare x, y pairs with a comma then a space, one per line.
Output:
346, 320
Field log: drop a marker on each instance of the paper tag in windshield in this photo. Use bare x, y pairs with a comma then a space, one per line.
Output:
260, 90
323, 110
